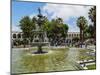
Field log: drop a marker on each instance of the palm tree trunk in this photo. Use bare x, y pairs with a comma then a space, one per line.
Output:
81, 36
95, 31
95, 34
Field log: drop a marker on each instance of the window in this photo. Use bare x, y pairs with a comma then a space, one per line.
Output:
74, 35
19, 35
69, 35
14, 35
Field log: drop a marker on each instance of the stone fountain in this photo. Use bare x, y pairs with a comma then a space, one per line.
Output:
40, 36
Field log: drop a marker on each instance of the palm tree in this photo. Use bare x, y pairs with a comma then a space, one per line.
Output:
92, 17
91, 31
82, 24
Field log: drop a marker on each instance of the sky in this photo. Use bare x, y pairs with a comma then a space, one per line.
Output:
69, 13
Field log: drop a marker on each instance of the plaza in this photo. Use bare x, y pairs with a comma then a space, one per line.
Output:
58, 58
49, 42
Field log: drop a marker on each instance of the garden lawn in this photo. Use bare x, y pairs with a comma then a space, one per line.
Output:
91, 67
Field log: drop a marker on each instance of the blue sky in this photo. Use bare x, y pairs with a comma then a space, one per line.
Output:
69, 13
20, 9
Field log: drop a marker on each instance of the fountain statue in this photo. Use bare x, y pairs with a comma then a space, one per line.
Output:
40, 36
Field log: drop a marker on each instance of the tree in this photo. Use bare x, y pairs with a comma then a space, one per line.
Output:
92, 17
56, 30
82, 24
91, 31
86, 33
27, 26
65, 30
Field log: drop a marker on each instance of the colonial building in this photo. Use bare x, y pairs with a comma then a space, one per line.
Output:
17, 35
69, 38
72, 35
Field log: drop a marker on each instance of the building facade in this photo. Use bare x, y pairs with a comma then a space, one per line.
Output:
19, 35
72, 35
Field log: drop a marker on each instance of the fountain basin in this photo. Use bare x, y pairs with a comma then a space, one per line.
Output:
40, 43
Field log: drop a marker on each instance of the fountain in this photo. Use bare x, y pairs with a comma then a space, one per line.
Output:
40, 36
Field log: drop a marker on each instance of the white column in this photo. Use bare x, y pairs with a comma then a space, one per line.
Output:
17, 35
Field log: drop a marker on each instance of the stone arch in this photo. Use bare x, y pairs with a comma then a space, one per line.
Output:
14, 35
19, 35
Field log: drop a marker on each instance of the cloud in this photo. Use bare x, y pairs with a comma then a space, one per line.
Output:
15, 28
67, 11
